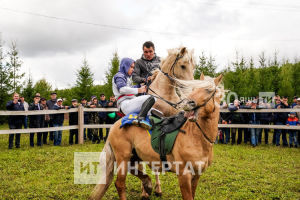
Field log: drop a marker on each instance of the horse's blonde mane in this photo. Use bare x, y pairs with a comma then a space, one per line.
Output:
186, 87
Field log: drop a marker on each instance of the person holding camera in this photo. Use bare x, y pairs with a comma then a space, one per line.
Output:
15, 121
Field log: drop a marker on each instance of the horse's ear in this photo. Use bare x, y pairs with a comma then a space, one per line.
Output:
182, 51
202, 77
218, 79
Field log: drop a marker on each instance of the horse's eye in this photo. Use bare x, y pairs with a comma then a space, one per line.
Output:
182, 67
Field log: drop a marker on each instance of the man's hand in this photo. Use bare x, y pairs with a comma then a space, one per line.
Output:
110, 104
36, 101
142, 89
287, 124
149, 78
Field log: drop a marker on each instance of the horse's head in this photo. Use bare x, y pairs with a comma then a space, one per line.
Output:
179, 63
203, 97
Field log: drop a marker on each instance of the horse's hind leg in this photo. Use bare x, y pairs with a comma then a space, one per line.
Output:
146, 180
121, 178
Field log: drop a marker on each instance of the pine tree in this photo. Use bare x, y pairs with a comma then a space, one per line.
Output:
201, 66
28, 91
262, 60
14, 65
85, 81
5, 83
114, 68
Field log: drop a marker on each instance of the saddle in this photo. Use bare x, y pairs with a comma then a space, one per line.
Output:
164, 133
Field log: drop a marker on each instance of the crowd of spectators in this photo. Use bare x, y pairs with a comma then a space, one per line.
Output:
254, 135
18, 103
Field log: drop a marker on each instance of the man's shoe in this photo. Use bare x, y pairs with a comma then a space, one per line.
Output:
142, 123
10, 147
18, 147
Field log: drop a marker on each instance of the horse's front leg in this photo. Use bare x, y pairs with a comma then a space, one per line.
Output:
195, 181
158, 191
185, 184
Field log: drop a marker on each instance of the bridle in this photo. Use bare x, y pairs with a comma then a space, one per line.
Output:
174, 105
212, 96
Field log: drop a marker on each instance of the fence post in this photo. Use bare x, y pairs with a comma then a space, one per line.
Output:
80, 124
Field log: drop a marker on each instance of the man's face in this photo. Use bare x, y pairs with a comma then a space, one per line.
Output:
37, 99
278, 101
83, 101
285, 99
130, 71
112, 99
74, 103
53, 96
102, 97
148, 53
298, 102
16, 96
43, 102
22, 99
292, 115
59, 103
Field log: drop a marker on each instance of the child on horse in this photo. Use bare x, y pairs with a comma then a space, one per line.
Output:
125, 93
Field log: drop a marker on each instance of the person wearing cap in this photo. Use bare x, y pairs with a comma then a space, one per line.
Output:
46, 119
294, 101
73, 120
15, 121
86, 120
292, 121
58, 121
50, 104
36, 121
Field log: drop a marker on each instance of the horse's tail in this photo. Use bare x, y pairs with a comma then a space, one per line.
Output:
100, 189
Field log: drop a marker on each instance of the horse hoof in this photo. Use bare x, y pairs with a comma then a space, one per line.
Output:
145, 198
148, 190
158, 194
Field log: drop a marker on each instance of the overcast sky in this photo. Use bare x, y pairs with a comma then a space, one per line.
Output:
54, 36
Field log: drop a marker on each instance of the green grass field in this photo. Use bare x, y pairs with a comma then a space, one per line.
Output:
238, 172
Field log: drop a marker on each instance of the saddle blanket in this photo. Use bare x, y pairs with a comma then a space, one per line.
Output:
128, 120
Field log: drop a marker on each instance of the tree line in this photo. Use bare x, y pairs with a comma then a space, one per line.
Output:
242, 76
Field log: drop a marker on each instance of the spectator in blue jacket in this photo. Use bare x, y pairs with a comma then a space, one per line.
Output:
15, 121
254, 119
102, 115
58, 121
292, 121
